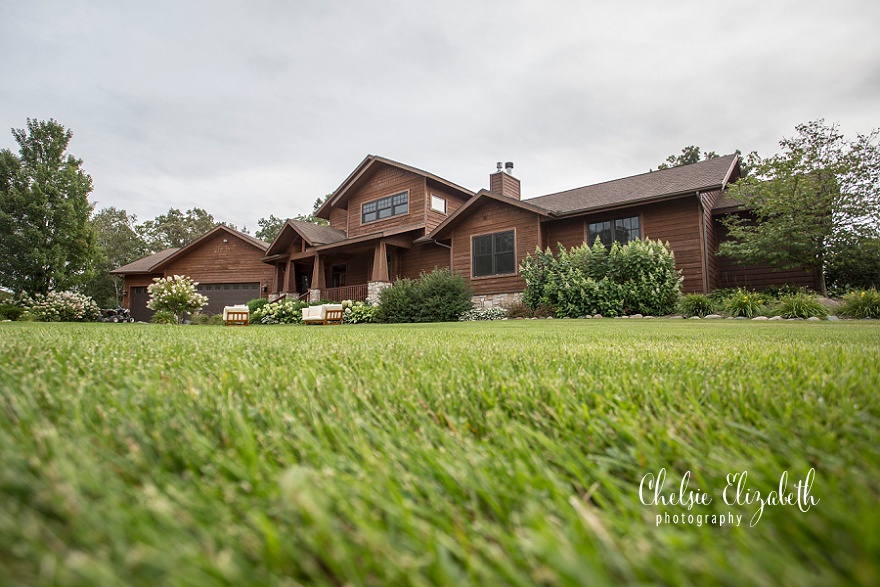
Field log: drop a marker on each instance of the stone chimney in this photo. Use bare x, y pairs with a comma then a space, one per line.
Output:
502, 181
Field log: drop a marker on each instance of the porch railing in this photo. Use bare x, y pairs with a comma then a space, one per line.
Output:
355, 293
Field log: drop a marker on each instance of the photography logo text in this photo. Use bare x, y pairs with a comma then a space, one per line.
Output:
654, 491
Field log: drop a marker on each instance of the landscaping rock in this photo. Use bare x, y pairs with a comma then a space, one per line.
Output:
636, 316
741, 318
713, 316
832, 318
829, 303
777, 318
694, 318
813, 319
597, 315
760, 318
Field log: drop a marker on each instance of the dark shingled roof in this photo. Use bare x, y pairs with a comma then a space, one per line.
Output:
726, 203
252, 239
702, 176
147, 263
316, 234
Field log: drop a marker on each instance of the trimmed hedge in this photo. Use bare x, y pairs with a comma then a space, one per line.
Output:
439, 296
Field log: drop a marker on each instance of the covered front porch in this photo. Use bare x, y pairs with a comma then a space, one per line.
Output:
351, 271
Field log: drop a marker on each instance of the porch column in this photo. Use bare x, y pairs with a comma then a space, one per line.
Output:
380, 262
379, 279
287, 272
318, 273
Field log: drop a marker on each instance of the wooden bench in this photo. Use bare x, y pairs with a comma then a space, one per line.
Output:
236, 316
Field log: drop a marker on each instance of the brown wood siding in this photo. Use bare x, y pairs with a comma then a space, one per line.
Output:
454, 201
757, 277
421, 258
489, 217
214, 261
678, 223
505, 184
130, 281
339, 218
387, 181
709, 200
357, 268
570, 232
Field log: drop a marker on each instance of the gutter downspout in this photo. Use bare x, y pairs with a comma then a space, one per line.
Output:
439, 244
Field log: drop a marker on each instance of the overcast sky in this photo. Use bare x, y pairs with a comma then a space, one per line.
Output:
254, 108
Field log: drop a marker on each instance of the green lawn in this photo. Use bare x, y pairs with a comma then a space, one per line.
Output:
481, 453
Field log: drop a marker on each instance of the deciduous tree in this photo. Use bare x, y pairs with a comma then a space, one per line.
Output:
46, 240
176, 229
820, 189
121, 244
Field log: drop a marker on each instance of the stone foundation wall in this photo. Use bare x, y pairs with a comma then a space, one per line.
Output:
505, 300
374, 288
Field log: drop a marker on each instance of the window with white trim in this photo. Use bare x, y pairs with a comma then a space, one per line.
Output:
385, 208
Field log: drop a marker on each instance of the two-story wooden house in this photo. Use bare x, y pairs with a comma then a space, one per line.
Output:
389, 220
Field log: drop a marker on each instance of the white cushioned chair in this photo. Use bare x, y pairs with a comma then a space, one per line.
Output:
323, 314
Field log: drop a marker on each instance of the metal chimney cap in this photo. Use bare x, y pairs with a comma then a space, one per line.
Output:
500, 165
508, 167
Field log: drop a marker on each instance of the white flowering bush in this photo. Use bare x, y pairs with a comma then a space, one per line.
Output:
176, 294
283, 312
483, 314
59, 307
358, 312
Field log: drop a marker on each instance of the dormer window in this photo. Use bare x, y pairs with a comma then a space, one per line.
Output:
385, 208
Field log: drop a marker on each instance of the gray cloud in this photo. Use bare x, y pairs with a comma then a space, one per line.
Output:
251, 109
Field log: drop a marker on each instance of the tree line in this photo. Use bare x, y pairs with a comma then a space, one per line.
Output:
52, 239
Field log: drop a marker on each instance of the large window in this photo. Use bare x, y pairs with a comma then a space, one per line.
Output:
385, 208
622, 230
493, 254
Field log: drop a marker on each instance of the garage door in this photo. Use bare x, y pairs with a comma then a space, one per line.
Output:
227, 294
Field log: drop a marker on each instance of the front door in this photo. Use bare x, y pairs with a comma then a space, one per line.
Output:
302, 281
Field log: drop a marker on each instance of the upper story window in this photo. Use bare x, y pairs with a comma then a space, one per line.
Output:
438, 204
385, 208
493, 254
622, 230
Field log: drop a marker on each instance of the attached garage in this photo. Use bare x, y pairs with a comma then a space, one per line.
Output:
227, 294
226, 264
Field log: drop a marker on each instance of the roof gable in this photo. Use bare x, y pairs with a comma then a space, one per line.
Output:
145, 264
675, 181
155, 261
444, 227
313, 234
364, 170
